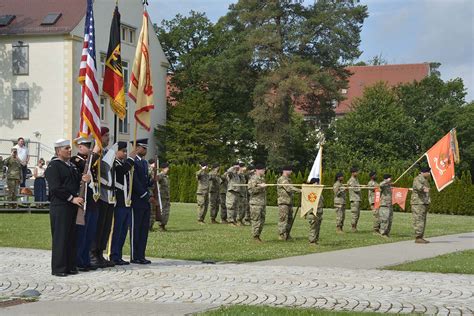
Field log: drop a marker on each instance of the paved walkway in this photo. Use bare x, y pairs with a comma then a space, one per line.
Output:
378, 256
180, 287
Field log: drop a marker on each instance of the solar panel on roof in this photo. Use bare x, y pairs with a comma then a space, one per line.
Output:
51, 18
6, 19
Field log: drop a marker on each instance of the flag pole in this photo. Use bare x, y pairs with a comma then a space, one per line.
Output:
115, 128
409, 168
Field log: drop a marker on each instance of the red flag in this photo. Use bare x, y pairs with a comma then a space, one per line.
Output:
377, 198
399, 196
441, 158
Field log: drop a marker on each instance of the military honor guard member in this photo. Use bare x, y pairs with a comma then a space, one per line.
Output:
371, 195
214, 192
202, 192
106, 203
123, 210
386, 208
164, 185
64, 181
420, 203
86, 233
233, 193
315, 220
354, 197
339, 201
285, 203
140, 205
258, 201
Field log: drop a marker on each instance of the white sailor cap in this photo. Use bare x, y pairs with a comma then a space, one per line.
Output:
82, 140
62, 143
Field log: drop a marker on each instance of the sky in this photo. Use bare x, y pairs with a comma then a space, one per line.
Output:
402, 31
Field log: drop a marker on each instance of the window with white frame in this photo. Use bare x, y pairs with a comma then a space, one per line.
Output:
125, 75
20, 58
103, 102
128, 34
123, 124
20, 104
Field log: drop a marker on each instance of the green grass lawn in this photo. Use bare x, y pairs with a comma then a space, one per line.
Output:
187, 239
276, 311
457, 262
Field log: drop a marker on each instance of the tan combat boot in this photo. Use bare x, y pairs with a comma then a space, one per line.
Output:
420, 240
339, 230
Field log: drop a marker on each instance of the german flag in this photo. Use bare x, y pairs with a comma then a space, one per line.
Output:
113, 85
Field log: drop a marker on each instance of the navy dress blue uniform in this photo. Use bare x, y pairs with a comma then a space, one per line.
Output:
63, 180
86, 233
123, 210
140, 208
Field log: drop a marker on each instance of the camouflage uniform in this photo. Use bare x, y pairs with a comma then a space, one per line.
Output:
233, 194
386, 209
339, 203
246, 198
315, 221
354, 197
258, 202
222, 196
420, 202
375, 212
164, 185
285, 205
202, 193
214, 191
13, 177
243, 198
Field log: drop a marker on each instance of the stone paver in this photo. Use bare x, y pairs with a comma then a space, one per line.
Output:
381, 255
181, 282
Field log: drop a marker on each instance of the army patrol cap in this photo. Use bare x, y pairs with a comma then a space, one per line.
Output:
62, 143
386, 176
372, 174
339, 174
425, 169
259, 166
164, 165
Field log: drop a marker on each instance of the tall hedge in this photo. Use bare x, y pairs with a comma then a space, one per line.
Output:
457, 199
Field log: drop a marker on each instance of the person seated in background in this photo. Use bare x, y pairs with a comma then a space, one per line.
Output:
40, 182
14, 170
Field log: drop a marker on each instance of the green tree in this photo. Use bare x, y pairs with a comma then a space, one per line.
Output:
191, 130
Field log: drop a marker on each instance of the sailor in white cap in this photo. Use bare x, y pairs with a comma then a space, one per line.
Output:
63, 180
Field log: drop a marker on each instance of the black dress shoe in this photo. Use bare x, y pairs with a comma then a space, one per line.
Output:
109, 264
118, 262
145, 261
123, 262
136, 261
83, 269
59, 274
93, 267
73, 272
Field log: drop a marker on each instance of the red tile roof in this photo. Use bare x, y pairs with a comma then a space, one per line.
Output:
365, 76
30, 14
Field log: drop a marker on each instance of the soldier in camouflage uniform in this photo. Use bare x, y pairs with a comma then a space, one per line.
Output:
285, 203
371, 193
164, 186
386, 208
248, 175
354, 197
222, 197
315, 219
233, 193
420, 202
214, 191
202, 192
14, 172
243, 197
258, 201
339, 201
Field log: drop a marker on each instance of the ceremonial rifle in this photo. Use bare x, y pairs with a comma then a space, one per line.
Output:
81, 210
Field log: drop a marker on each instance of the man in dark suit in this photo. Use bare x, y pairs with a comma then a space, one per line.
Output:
140, 205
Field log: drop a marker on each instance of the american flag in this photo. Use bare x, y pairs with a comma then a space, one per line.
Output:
90, 112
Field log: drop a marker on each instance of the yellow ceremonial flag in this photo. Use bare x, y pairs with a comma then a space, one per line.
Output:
141, 84
310, 196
